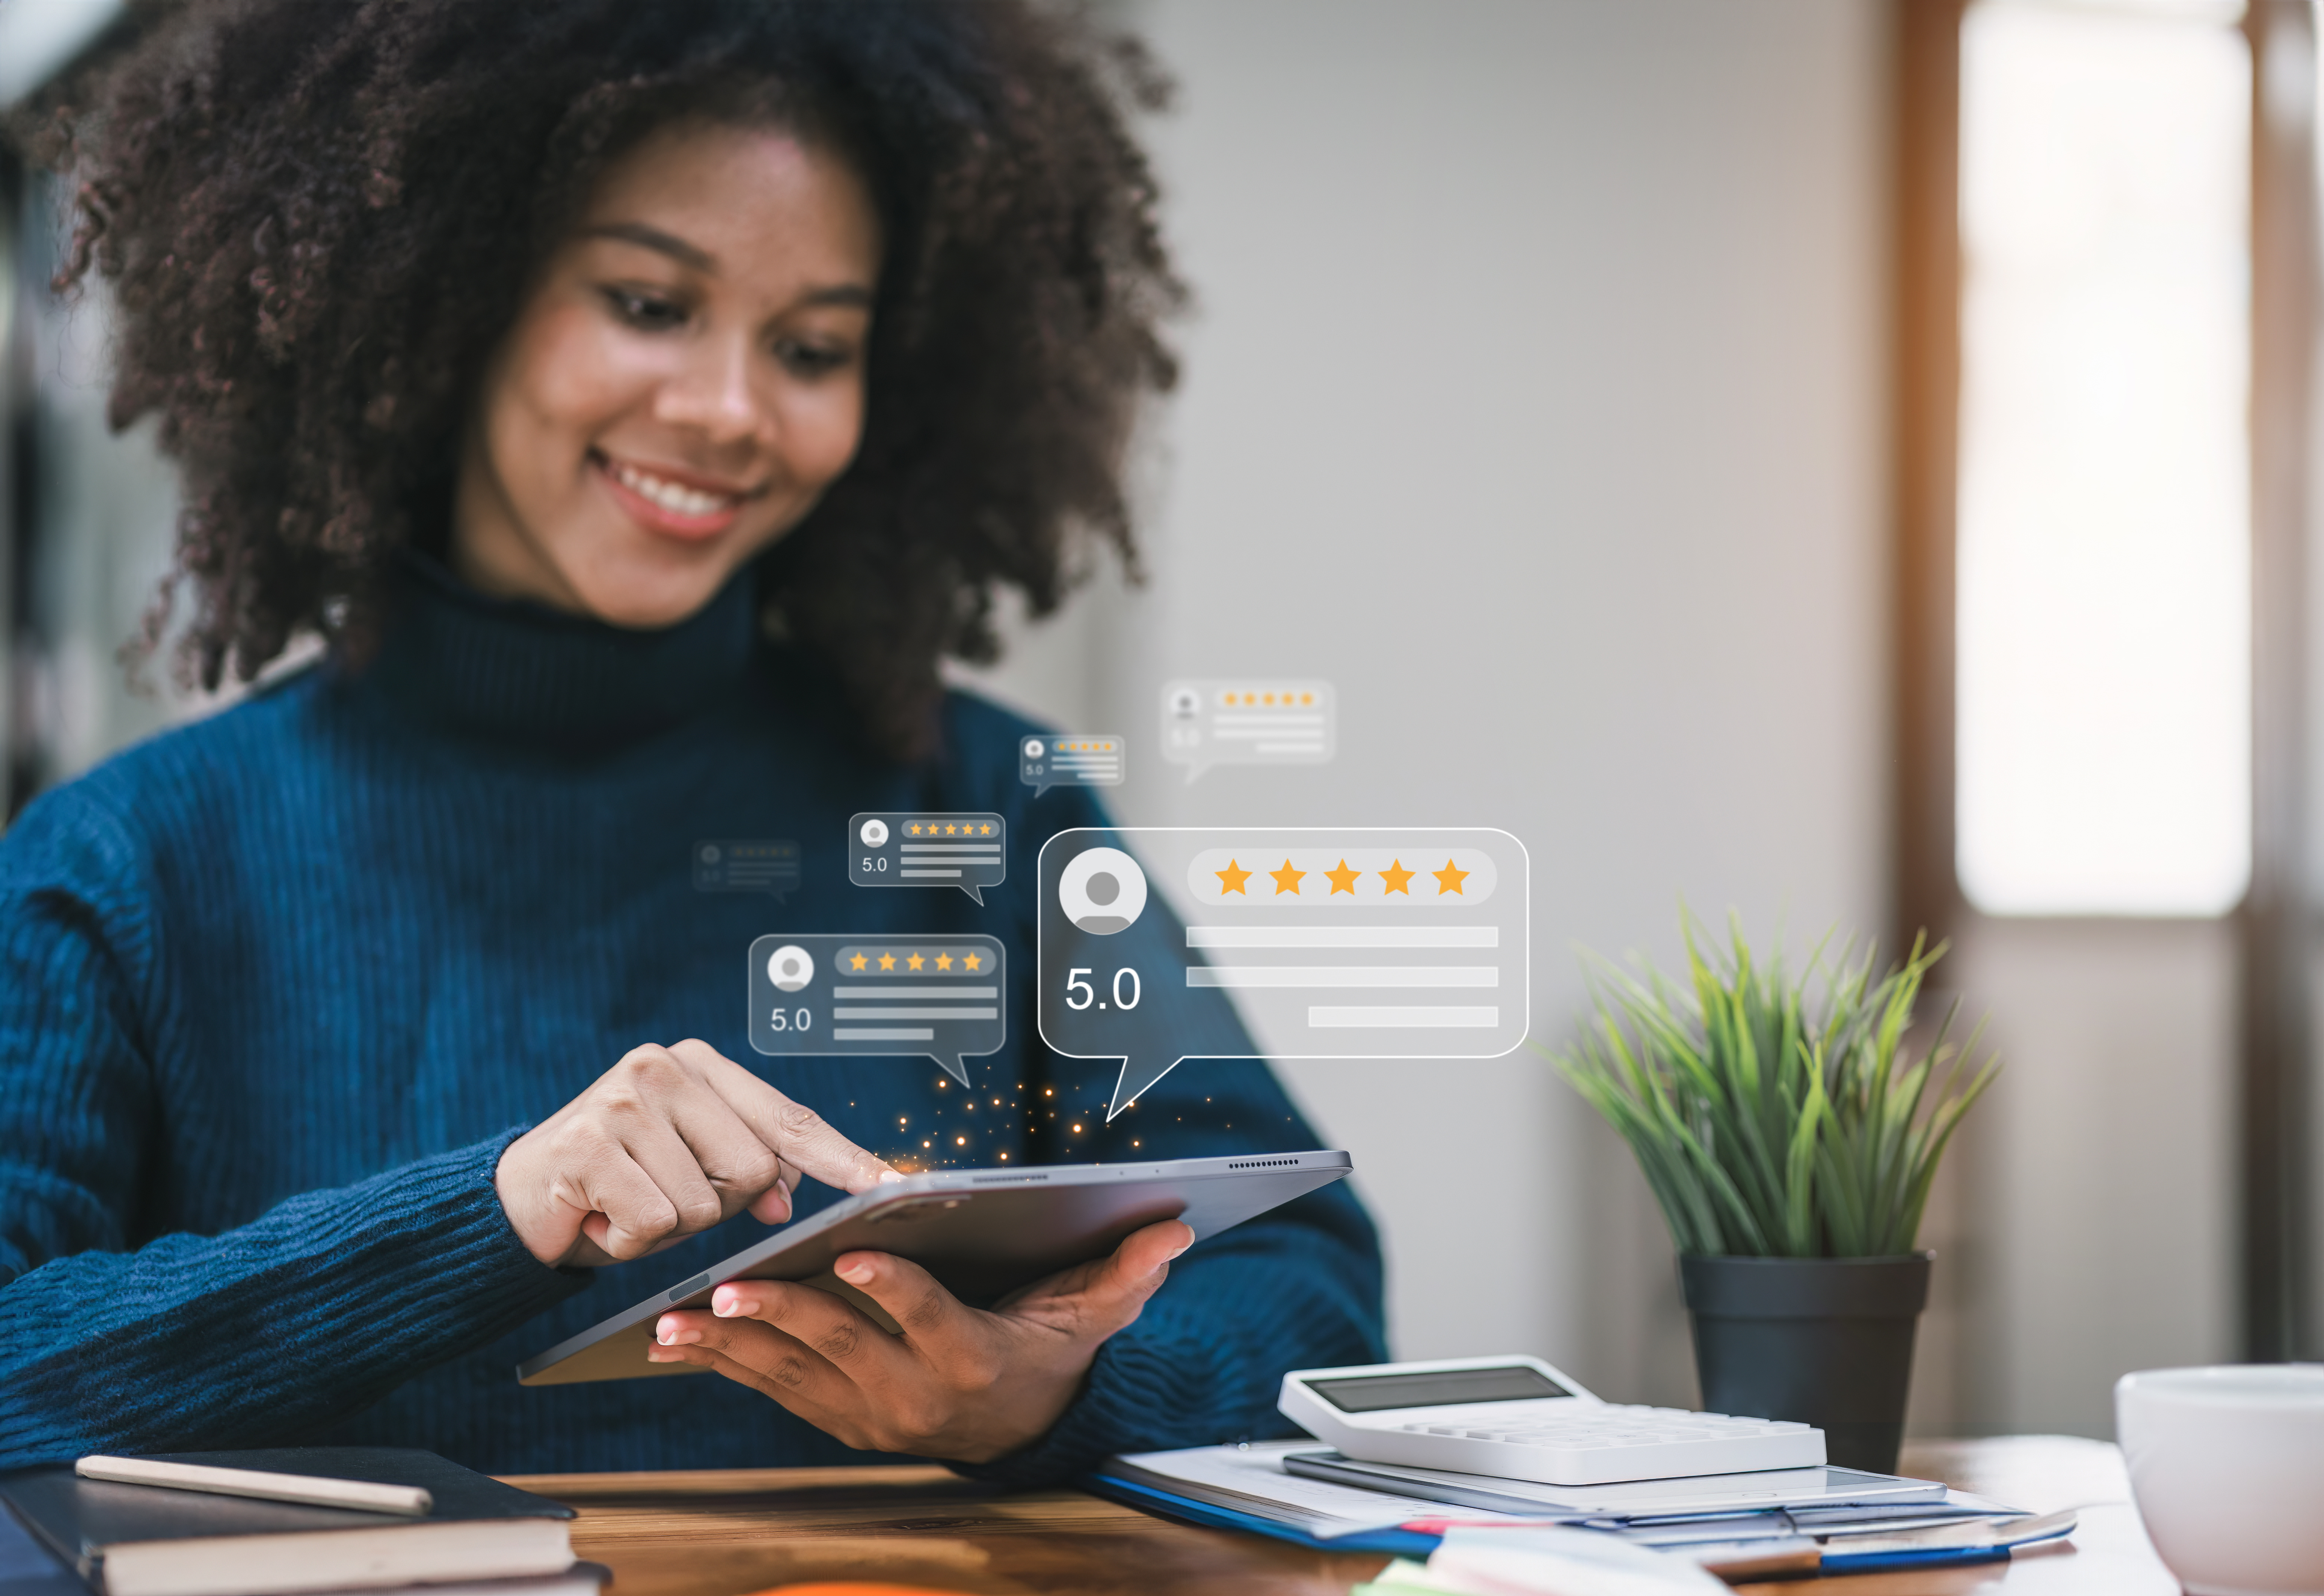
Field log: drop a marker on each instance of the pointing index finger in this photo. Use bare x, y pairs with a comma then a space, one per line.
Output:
796, 1133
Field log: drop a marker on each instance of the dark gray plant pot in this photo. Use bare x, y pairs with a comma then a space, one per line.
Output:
1825, 1342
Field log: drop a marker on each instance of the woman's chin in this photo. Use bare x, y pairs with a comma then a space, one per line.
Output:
649, 600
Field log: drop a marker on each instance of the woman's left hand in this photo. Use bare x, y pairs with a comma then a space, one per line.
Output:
959, 1383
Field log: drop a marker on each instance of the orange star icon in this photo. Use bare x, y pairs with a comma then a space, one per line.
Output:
943, 961
1342, 879
973, 961
1449, 880
1230, 879
859, 961
916, 961
887, 960
1287, 879
950, 829
1399, 879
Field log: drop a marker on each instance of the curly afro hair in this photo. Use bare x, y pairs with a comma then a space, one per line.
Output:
318, 220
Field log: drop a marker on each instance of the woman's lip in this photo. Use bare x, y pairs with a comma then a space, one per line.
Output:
678, 475
654, 517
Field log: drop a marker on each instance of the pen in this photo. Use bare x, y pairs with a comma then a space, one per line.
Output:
407, 1501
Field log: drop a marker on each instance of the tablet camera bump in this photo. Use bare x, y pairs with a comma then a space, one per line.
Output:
791, 967
1103, 891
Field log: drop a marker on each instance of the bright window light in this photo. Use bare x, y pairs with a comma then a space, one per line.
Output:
2103, 589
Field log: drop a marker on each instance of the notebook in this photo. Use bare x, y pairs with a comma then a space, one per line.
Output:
143, 1540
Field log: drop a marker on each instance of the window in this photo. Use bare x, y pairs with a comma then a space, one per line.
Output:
2104, 600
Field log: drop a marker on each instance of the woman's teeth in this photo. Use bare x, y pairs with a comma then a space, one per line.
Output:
670, 496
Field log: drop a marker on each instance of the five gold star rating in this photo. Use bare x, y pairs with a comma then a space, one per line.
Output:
915, 962
1344, 878
927, 828
1287, 699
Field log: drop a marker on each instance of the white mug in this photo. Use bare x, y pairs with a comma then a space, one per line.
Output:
2227, 1466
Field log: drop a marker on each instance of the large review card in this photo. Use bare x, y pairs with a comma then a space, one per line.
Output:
1336, 943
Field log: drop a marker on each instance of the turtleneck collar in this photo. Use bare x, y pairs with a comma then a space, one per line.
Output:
511, 667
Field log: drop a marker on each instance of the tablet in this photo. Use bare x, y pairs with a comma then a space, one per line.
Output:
982, 1234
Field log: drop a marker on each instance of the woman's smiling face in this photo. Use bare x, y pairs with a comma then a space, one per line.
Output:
683, 381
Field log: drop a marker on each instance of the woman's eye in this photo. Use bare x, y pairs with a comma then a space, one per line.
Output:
812, 360
646, 311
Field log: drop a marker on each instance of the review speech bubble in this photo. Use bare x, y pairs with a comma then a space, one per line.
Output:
724, 865
1072, 758
946, 997
1335, 943
1221, 722
912, 848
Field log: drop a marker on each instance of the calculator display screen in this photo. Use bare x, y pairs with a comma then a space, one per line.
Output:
1370, 1393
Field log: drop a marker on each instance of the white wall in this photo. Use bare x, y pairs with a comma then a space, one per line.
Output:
2100, 1175
1535, 399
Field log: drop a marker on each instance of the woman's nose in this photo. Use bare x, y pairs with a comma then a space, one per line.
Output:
715, 394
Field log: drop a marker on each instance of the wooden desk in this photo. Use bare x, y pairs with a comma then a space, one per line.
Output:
724, 1533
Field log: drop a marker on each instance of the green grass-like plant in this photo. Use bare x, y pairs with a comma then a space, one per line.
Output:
1768, 1128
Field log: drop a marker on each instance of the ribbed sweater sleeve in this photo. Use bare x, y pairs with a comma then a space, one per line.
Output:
313, 1309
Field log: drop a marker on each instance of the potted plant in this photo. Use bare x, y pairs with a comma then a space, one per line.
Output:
1791, 1145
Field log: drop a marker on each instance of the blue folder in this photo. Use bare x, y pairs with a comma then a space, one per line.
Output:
1391, 1543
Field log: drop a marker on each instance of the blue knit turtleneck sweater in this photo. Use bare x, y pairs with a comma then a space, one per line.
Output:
278, 988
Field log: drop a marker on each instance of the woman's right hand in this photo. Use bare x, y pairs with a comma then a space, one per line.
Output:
664, 1145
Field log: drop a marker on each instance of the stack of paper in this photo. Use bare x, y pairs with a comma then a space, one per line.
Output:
1413, 1514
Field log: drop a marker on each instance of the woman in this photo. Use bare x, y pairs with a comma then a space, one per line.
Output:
639, 401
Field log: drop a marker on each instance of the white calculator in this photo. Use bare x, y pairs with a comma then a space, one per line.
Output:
1520, 1419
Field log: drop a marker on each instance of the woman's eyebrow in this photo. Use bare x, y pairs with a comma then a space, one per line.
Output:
654, 238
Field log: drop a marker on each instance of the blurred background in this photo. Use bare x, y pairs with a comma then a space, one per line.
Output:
1847, 461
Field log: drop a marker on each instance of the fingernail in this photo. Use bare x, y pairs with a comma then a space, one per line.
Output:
658, 1356
856, 1274
722, 1304
667, 1336
889, 1178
